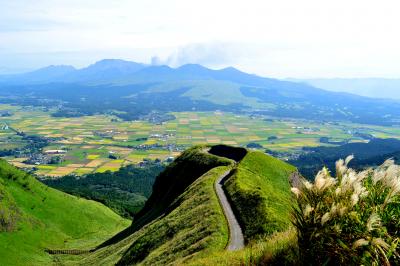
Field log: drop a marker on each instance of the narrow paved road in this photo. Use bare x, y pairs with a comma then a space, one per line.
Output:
236, 239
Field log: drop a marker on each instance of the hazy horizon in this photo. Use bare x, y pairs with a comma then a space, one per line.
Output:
23, 71
289, 39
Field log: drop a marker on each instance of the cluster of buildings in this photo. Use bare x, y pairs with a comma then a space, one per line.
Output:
170, 147
162, 137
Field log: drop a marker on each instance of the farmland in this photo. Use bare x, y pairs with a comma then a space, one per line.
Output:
103, 142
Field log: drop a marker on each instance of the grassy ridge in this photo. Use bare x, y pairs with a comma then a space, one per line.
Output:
176, 178
183, 222
195, 228
182, 219
260, 192
47, 218
277, 249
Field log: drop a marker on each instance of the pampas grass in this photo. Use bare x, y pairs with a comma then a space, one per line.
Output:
350, 219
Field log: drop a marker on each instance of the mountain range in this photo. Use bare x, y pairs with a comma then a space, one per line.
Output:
134, 90
369, 87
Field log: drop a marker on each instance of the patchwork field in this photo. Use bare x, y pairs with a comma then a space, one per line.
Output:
100, 143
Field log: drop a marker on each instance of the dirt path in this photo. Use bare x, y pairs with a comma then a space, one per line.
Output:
236, 239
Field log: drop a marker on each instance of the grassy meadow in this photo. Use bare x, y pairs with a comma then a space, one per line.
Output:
39, 217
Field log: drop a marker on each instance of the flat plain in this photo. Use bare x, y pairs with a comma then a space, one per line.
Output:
102, 142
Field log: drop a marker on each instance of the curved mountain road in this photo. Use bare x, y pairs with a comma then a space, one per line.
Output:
236, 239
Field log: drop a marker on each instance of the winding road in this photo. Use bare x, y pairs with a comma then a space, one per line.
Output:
236, 239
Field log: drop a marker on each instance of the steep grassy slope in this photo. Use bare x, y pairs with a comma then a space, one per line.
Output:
9, 212
183, 223
260, 192
183, 219
277, 249
34, 217
197, 225
192, 164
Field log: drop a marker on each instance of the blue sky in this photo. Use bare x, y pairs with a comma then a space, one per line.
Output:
286, 38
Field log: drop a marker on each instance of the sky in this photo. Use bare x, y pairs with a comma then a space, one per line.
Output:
285, 38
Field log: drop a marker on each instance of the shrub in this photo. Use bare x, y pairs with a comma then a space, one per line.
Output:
350, 219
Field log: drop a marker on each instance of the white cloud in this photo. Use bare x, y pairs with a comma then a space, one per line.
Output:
275, 38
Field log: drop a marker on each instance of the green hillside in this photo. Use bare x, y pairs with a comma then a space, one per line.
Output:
260, 192
34, 217
214, 91
183, 221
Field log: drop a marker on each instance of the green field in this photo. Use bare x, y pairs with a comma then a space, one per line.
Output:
89, 140
35, 217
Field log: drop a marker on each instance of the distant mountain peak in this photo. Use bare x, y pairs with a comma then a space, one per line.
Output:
107, 60
230, 68
106, 69
192, 66
115, 63
49, 72
65, 68
233, 70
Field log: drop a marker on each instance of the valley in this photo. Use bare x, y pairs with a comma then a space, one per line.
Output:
193, 165
188, 133
102, 143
